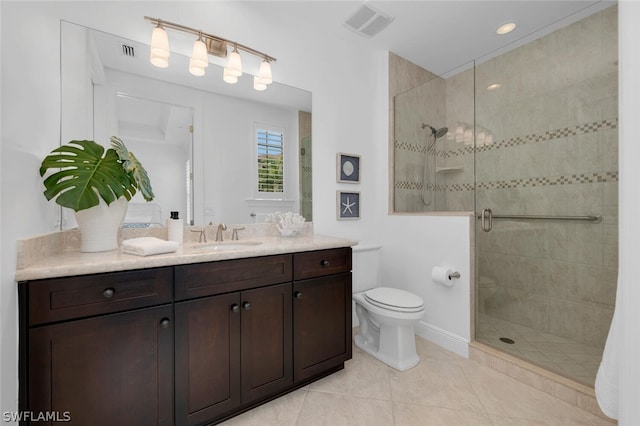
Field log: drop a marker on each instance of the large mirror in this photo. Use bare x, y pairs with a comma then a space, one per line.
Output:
196, 136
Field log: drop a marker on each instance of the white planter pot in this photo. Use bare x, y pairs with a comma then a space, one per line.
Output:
99, 225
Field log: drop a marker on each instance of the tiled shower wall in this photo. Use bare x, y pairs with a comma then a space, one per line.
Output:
438, 102
554, 121
554, 126
306, 150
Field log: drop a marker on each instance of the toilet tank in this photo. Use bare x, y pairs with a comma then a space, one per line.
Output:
365, 272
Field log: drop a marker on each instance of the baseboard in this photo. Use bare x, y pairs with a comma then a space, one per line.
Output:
451, 342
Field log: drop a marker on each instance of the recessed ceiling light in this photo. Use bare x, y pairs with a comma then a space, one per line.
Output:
494, 86
506, 28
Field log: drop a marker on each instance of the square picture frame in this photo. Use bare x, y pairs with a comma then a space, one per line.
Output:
347, 168
348, 205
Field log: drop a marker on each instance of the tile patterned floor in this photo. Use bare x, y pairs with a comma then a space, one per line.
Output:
444, 389
575, 360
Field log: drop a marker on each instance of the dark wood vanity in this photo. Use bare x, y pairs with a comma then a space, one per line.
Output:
189, 344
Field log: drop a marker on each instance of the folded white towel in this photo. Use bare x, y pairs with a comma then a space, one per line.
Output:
147, 246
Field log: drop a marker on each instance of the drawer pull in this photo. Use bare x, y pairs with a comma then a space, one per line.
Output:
246, 306
164, 323
297, 295
108, 293
235, 308
324, 263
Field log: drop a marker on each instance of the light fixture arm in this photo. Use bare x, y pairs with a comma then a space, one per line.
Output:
199, 33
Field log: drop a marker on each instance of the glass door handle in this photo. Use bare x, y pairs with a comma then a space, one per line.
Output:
486, 220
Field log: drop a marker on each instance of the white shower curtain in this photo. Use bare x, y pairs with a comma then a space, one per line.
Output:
618, 380
607, 380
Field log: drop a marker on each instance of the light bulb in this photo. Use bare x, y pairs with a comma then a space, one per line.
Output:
488, 140
235, 63
265, 72
160, 42
195, 67
258, 84
199, 55
459, 134
229, 78
159, 61
468, 137
480, 138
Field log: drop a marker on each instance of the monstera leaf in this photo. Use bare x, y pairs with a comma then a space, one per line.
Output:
86, 173
132, 165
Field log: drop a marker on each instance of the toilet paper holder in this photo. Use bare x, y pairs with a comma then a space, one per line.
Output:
453, 275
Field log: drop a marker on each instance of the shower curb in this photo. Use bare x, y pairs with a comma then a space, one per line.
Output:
560, 387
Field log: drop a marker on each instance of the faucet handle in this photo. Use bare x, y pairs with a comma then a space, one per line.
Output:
202, 235
234, 234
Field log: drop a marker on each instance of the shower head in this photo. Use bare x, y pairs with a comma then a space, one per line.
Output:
437, 133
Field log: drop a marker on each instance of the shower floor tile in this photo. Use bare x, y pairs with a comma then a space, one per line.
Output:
572, 359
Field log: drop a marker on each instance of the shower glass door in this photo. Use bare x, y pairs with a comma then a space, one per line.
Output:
546, 252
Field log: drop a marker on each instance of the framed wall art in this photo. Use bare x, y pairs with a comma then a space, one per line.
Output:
348, 205
348, 168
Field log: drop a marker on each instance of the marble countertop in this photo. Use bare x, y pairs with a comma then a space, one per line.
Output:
73, 262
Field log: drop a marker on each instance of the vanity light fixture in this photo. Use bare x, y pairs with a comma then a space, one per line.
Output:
205, 45
506, 28
160, 47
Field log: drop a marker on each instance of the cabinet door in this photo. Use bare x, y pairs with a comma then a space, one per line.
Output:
207, 358
266, 341
111, 370
321, 324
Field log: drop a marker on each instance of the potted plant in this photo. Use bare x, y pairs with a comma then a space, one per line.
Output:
96, 184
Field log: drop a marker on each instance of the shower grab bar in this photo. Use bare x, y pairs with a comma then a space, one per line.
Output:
488, 214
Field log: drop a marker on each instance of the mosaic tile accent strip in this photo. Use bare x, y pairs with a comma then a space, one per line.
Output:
417, 186
516, 183
411, 147
551, 181
580, 129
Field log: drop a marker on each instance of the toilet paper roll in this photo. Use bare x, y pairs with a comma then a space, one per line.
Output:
442, 276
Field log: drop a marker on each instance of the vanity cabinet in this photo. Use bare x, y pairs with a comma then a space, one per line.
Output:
232, 349
85, 353
189, 344
321, 311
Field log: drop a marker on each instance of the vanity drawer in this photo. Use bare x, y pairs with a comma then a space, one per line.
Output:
206, 279
320, 263
74, 297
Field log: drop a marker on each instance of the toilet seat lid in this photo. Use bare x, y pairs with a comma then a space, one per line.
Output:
394, 299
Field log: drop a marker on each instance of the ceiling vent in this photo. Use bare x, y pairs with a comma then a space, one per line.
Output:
367, 21
128, 50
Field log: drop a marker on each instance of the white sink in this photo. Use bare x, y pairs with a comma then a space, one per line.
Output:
227, 245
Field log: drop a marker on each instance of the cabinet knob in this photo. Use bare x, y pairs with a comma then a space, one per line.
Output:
324, 262
246, 306
164, 323
297, 295
235, 308
108, 293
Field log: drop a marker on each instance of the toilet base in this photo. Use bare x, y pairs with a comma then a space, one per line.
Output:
402, 364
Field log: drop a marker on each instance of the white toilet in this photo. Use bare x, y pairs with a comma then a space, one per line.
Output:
386, 315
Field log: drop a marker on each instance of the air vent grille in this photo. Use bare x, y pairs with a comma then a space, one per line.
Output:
128, 50
367, 21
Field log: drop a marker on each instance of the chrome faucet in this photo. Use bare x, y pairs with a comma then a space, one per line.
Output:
221, 227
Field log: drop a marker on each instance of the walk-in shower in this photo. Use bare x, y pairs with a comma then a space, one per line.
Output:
428, 175
542, 189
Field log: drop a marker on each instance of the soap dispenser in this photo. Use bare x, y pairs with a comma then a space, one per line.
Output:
175, 228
